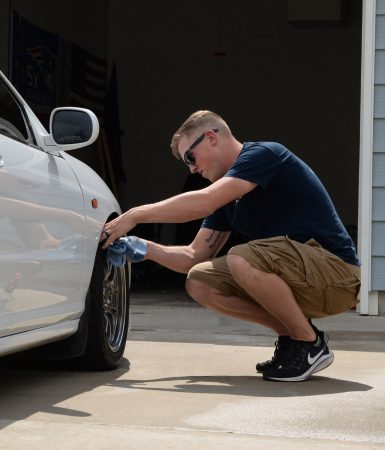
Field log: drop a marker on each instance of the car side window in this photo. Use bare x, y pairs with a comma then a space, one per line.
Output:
12, 122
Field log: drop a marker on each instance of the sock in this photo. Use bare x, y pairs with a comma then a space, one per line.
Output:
317, 341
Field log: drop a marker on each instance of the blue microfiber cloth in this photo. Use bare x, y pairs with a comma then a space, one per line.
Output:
132, 247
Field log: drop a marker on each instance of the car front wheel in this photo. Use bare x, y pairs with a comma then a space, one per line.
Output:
108, 304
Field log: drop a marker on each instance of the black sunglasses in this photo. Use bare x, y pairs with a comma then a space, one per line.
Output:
188, 157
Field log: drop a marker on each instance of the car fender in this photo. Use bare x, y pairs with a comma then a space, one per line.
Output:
100, 205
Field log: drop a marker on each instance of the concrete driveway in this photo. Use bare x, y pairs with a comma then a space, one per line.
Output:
188, 381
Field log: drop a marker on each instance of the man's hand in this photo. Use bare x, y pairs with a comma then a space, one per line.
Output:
116, 228
130, 247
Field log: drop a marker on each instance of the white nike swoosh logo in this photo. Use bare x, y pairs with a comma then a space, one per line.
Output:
312, 360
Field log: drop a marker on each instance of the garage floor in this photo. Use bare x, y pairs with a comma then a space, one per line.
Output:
188, 381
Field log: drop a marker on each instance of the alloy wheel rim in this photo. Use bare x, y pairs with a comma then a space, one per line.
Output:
114, 305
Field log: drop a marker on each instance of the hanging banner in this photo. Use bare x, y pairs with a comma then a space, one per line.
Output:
34, 65
88, 81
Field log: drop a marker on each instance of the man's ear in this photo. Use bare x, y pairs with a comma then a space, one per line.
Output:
213, 137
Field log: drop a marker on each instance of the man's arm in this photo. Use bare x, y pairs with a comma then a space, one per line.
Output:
206, 245
181, 208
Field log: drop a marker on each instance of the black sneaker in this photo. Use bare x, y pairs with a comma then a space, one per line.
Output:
300, 360
325, 338
280, 346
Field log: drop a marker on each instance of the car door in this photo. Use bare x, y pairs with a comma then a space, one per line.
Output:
41, 229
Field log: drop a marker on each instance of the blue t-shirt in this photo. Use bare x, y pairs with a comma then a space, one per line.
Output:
289, 200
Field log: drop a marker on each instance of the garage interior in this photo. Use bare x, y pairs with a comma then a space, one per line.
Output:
279, 70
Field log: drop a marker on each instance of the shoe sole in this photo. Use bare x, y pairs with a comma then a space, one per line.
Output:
323, 362
262, 370
317, 369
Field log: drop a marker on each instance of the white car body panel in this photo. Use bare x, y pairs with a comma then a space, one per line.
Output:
49, 234
93, 187
41, 215
29, 339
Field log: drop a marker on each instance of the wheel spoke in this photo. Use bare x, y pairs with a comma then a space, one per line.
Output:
114, 305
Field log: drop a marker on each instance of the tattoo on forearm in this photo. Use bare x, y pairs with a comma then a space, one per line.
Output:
214, 241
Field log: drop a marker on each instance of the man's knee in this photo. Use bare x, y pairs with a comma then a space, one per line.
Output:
191, 287
198, 291
242, 271
238, 266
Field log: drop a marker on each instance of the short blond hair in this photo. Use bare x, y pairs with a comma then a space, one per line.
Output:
199, 120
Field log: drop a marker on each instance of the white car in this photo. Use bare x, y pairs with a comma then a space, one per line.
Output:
55, 281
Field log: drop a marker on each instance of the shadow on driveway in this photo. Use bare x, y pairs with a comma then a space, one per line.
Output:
26, 389
245, 386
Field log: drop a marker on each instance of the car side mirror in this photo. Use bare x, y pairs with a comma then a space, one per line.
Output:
72, 128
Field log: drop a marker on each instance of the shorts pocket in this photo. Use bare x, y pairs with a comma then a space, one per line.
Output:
342, 296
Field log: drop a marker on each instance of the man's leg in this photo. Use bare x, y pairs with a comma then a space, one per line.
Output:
273, 294
240, 308
289, 282
233, 306
255, 270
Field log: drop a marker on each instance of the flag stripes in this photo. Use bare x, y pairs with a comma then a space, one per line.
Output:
88, 81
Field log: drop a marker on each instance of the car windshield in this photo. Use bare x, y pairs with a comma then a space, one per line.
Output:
11, 118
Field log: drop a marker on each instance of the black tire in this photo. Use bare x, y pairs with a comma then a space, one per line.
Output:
108, 323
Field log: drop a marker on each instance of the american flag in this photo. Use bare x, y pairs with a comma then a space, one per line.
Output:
88, 81
40, 53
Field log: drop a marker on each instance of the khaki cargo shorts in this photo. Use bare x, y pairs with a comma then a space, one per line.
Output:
321, 282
